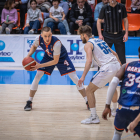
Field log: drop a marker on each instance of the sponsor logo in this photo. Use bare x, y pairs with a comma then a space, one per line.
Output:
123, 91
75, 47
5, 56
69, 68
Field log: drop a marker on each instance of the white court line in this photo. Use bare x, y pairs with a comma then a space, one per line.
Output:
126, 136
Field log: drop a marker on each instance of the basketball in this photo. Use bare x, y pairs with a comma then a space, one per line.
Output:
28, 62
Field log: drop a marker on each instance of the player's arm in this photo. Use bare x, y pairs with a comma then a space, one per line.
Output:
111, 90
114, 53
88, 50
56, 55
134, 124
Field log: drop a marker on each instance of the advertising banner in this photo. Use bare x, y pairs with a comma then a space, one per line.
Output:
11, 50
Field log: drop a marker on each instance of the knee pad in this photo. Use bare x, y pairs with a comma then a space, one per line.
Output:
36, 80
75, 79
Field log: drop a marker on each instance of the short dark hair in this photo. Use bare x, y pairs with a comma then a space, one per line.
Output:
56, 0
46, 29
8, 4
85, 30
33, 1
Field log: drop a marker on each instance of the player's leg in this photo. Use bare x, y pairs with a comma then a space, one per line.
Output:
81, 89
33, 90
34, 86
92, 104
117, 134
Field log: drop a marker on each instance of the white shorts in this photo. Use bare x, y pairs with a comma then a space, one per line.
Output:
105, 74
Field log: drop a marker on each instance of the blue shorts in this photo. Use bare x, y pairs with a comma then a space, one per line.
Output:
124, 117
64, 66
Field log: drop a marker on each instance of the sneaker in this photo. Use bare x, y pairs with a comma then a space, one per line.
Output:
87, 105
28, 106
113, 112
68, 33
91, 120
7, 30
0, 29
31, 32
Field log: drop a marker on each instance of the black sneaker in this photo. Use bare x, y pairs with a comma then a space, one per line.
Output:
28, 106
87, 105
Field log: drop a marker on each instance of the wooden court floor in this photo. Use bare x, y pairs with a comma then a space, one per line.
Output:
56, 115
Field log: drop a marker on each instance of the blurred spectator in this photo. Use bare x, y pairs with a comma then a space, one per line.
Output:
9, 17
34, 18
92, 4
22, 5
44, 6
80, 14
96, 15
57, 15
135, 6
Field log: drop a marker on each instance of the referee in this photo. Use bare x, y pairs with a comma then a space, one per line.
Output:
113, 13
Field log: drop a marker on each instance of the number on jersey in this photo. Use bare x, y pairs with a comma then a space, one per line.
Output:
66, 62
104, 47
132, 79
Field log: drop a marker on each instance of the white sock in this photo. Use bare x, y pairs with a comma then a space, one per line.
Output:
30, 99
114, 105
117, 135
85, 98
93, 111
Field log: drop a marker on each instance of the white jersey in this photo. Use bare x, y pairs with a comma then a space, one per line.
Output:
101, 52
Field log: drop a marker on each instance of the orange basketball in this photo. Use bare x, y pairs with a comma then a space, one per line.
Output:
28, 62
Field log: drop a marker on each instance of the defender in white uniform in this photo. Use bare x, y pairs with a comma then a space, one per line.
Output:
109, 64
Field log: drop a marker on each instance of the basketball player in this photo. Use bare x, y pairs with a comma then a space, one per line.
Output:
128, 111
109, 64
55, 55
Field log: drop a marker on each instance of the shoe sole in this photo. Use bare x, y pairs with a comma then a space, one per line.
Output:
27, 109
92, 122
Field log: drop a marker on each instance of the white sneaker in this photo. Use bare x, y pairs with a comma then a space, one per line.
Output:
7, 30
113, 112
68, 33
31, 32
0, 29
91, 120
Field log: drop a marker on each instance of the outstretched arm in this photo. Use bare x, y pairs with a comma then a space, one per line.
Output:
111, 90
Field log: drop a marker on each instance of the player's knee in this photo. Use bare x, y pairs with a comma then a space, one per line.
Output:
39, 74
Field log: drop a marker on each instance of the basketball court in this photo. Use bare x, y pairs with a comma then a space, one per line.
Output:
58, 109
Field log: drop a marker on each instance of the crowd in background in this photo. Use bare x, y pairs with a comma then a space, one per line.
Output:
64, 15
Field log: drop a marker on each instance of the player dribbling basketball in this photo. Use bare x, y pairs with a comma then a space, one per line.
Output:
55, 55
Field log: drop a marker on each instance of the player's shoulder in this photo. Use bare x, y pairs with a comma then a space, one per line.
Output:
54, 38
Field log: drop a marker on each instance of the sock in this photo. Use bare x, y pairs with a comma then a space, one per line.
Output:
30, 99
114, 105
117, 135
93, 111
85, 98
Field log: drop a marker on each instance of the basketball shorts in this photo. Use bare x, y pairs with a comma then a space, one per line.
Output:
124, 117
64, 66
105, 74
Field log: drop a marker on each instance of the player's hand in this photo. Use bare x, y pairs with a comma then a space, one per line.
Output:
56, 19
106, 112
27, 25
132, 126
125, 37
80, 81
101, 37
37, 66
